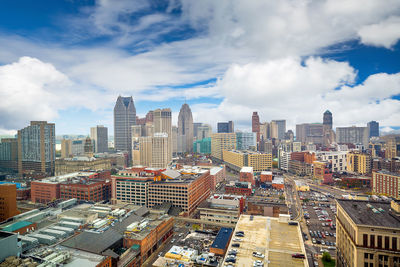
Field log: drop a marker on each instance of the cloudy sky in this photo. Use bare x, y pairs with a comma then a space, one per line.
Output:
66, 61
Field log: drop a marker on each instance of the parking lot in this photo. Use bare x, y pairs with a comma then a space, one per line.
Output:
319, 214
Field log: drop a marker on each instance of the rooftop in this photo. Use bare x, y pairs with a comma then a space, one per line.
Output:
371, 213
65, 177
222, 238
389, 173
276, 239
247, 169
15, 226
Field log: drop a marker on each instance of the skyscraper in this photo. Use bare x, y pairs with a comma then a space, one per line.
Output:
328, 133
154, 150
373, 128
162, 120
255, 125
124, 118
225, 127
37, 148
352, 135
327, 120
185, 129
99, 135
278, 129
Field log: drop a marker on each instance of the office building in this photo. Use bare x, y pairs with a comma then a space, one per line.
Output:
310, 133
373, 128
255, 125
221, 142
265, 131
385, 182
202, 146
99, 135
246, 141
9, 247
154, 151
196, 126
76, 164
337, 159
246, 174
9, 153
185, 130
37, 148
8, 201
352, 135
203, 131
174, 140
278, 129
329, 134
222, 208
367, 233
283, 159
239, 188
236, 160
272, 237
359, 162
83, 189
225, 127
162, 120
124, 119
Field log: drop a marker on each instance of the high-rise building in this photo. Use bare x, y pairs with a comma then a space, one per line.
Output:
359, 162
174, 140
202, 146
310, 133
352, 135
221, 142
278, 129
255, 125
37, 148
99, 135
124, 119
204, 131
196, 126
225, 127
88, 147
185, 130
265, 131
239, 159
367, 233
385, 182
8, 201
327, 120
154, 150
162, 120
9, 153
66, 145
329, 134
373, 128
246, 141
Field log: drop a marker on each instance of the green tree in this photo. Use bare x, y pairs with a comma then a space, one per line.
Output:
326, 256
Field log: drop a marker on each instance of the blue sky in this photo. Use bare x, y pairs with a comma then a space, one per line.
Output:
67, 61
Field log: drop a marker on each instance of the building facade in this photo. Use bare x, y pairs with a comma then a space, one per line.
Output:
69, 165
99, 135
278, 129
202, 146
255, 125
352, 135
8, 201
225, 127
9, 153
359, 163
221, 142
162, 120
387, 183
373, 128
239, 159
246, 141
367, 233
37, 148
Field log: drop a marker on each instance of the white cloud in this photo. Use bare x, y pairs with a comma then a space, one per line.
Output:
385, 33
33, 90
288, 89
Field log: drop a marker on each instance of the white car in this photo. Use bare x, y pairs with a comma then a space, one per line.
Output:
258, 263
258, 255
237, 239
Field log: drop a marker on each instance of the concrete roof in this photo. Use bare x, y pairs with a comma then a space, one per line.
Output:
247, 169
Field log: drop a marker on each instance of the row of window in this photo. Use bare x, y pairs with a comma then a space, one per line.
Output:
381, 242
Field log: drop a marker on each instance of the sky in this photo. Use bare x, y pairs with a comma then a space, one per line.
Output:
67, 61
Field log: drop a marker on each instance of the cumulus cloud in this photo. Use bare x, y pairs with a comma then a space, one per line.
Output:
301, 91
385, 33
34, 90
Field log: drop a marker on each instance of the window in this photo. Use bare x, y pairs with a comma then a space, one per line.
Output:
379, 241
372, 241
386, 242
394, 243
365, 241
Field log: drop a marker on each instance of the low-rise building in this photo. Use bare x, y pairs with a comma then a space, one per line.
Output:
8, 201
222, 208
76, 164
359, 163
266, 176
239, 159
246, 175
278, 183
274, 238
367, 233
239, 188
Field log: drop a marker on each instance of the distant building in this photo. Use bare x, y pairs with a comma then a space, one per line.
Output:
239, 188
310, 133
373, 128
238, 159
278, 129
162, 121
8, 201
246, 141
154, 150
222, 208
367, 233
124, 119
221, 142
352, 135
37, 148
9, 153
255, 125
328, 133
202, 146
99, 135
225, 127
203, 131
185, 130
76, 164
246, 175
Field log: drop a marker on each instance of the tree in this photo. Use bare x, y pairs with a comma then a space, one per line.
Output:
326, 256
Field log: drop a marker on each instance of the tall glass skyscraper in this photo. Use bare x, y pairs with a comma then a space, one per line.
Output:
124, 119
185, 129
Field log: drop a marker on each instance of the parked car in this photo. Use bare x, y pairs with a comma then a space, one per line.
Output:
298, 256
258, 254
235, 245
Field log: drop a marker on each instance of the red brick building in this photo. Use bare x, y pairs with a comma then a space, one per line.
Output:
388, 183
266, 176
90, 190
247, 175
239, 188
255, 124
8, 201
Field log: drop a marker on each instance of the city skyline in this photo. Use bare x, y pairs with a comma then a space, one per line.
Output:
75, 59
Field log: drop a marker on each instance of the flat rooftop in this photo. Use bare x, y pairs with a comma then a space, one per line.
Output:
247, 169
276, 240
361, 212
